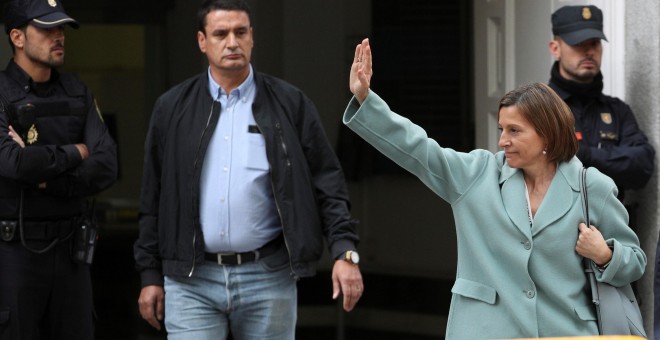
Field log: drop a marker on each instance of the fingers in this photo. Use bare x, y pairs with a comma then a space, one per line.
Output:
82, 149
365, 57
147, 313
358, 53
582, 227
346, 278
160, 310
363, 53
336, 288
151, 304
361, 72
15, 136
366, 53
153, 322
592, 245
352, 295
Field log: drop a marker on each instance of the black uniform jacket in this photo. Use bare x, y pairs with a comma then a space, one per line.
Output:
617, 147
307, 180
64, 114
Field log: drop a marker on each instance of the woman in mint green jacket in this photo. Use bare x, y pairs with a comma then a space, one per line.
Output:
518, 213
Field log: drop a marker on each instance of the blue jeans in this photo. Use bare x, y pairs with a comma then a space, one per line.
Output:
248, 299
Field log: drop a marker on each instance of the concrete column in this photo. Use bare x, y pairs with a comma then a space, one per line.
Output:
643, 95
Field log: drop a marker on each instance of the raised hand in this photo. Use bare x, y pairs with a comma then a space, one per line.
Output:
361, 71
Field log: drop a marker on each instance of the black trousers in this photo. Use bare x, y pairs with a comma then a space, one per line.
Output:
44, 296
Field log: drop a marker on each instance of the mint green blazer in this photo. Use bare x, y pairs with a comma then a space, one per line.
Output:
514, 278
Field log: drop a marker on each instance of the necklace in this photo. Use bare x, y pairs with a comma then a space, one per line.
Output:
528, 206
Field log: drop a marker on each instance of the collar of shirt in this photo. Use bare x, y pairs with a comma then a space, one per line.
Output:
25, 81
242, 90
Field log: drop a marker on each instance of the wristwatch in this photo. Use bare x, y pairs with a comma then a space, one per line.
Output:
352, 257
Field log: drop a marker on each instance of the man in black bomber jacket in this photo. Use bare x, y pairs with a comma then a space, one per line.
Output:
193, 221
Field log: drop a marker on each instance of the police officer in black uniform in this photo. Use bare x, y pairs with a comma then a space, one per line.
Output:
55, 152
610, 139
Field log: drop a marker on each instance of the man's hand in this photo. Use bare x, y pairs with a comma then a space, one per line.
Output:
16, 137
152, 305
84, 152
346, 279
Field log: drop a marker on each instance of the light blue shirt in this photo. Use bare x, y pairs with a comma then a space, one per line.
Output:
237, 208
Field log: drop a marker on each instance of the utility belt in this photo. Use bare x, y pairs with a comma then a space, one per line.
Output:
232, 259
38, 230
82, 231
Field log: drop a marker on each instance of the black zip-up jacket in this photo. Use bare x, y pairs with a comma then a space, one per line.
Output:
307, 180
65, 114
614, 143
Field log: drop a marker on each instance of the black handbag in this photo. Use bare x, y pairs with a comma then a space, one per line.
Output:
617, 309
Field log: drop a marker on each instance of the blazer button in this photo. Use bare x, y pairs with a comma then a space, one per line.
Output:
527, 245
530, 294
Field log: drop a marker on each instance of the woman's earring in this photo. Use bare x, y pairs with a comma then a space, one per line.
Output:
545, 151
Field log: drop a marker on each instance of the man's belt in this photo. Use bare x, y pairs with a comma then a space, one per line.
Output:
37, 230
232, 259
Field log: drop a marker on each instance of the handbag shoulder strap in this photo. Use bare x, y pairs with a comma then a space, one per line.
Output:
585, 212
585, 197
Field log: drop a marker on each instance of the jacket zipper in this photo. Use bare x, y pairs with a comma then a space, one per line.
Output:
208, 121
286, 153
277, 202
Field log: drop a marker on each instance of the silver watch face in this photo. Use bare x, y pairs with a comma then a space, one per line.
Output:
355, 258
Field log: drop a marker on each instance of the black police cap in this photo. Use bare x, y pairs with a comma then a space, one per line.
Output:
39, 13
575, 24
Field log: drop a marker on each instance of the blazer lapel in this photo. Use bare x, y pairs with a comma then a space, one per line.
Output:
561, 196
513, 197
558, 200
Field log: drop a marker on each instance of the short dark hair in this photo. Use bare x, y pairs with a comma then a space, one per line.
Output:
9, 17
552, 119
226, 5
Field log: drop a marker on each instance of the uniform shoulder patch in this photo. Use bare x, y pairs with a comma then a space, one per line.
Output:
606, 117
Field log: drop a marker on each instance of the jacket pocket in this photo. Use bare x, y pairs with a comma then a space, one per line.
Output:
474, 290
256, 156
586, 312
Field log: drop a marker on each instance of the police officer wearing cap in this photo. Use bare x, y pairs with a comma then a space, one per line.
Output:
606, 128
610, 139
55, 152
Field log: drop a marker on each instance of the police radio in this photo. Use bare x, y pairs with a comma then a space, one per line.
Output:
85, 236
22, 119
